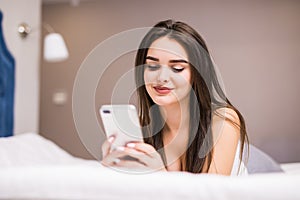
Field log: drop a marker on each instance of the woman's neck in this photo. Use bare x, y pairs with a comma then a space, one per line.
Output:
176, 117
175, 134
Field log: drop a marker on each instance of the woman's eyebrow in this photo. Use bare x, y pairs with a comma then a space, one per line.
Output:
152, 58
171, 61
178, 61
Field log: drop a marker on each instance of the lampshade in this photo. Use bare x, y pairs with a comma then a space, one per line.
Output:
55, 49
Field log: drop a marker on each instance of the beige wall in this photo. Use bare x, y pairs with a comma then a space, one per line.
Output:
254, 43
26, 52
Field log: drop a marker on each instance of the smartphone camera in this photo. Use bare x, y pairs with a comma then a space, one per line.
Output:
106, 111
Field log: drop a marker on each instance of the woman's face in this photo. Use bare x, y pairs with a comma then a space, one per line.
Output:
167, 73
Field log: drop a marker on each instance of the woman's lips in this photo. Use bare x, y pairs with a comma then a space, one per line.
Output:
162, 90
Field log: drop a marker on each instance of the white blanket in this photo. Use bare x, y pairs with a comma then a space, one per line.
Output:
70, 178
91, 181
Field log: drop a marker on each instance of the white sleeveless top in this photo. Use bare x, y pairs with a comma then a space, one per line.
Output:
237, 169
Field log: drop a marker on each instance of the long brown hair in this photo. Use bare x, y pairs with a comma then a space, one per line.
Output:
206, 96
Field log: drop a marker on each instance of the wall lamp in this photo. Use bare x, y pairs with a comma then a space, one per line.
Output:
55, 49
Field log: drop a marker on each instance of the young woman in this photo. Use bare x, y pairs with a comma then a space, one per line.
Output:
188, 122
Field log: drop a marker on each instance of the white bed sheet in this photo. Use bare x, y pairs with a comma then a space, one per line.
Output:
291, 168
91, 181
32, 167
31, 149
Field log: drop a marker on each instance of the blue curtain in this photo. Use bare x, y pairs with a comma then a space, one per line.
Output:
7, 84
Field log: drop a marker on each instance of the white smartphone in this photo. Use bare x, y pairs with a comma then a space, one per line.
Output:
123, 122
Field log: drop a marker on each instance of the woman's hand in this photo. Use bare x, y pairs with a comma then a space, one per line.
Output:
144, 156
106, 146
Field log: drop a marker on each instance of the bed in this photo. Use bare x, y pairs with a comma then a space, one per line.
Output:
32, 167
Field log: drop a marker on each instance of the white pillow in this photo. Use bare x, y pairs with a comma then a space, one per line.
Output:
31, 149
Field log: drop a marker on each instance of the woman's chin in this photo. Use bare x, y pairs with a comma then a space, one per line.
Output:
164, 101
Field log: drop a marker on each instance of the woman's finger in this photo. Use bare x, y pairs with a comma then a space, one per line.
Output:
106, 146
138, 155
143, 147
151, 159
112, 157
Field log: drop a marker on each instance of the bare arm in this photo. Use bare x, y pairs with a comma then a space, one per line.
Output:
226, 137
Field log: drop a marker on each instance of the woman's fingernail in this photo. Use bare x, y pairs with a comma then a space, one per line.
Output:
131, 145
116, 161
120, 148
110, 139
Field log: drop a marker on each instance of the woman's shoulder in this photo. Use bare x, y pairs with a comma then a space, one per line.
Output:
225, 126
225, 113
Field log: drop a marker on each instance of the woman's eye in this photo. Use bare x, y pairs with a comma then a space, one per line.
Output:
177, 69
152, 67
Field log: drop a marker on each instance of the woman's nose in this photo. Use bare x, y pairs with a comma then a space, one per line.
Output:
164, 74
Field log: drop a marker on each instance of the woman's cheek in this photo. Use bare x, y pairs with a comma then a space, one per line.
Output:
149, 77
